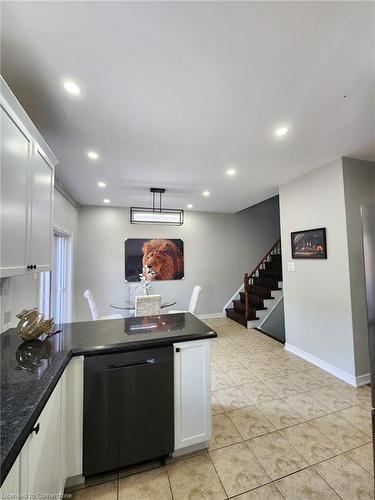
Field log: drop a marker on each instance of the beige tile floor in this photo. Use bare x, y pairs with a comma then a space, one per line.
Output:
282, 428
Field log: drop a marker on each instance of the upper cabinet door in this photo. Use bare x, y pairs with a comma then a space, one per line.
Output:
41, 212
15, 154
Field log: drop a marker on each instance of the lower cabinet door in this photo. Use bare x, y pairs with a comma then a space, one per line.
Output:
44, 450
11, 487
192, 393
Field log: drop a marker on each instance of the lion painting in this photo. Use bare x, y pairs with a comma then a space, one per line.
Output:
162, 260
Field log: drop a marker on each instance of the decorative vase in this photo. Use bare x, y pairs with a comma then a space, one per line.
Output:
32, 324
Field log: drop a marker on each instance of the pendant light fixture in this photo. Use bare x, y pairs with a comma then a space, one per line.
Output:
156, 214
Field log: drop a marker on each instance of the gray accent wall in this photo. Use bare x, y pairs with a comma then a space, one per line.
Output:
219, 249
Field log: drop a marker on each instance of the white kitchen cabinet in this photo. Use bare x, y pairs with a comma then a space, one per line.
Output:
41, 211
192, 392
72, 432
15, 155
27, 180
11, 487
44, 450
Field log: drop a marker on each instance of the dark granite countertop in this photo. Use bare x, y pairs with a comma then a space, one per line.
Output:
30, 370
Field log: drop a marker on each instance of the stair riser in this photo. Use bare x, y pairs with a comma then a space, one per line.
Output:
270, 283
273, 274
240, 308
255, 301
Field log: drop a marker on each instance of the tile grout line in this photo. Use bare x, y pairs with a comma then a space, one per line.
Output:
325, 480
169, 482
218, 475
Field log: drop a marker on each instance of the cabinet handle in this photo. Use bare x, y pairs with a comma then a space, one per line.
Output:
178, 349
29, 267
34, 266
35, 429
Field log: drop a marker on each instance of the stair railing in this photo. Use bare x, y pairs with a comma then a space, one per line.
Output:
249, 278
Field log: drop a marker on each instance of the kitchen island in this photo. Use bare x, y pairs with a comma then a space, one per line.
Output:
33, 371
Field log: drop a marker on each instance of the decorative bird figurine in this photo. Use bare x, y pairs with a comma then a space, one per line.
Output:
32, 324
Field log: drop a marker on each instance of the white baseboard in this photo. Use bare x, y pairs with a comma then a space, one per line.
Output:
211, 315
346, 377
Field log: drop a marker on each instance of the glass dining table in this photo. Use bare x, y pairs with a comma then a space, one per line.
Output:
129, 305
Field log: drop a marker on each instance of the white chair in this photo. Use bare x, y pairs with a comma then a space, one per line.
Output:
193, 301
147, 305
94, 310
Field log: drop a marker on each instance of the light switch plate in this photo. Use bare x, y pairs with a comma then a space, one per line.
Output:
291, 266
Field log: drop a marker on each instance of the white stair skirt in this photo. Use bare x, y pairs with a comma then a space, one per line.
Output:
263, 314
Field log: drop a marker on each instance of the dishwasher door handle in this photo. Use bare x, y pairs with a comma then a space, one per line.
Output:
150, 361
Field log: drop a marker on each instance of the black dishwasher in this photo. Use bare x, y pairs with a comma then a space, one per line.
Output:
128, 412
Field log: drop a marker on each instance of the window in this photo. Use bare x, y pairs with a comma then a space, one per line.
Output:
55, 286
45, 294
59, 277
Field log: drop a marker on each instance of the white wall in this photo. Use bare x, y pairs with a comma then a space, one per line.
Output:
317, 300
359, 186
218, 248
22, 292
324, 301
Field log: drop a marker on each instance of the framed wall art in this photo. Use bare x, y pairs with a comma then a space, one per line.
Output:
155, 259
309, 244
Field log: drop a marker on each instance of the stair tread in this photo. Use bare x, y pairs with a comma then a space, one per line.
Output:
240, 318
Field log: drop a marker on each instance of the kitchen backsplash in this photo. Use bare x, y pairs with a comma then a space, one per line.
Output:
17, 293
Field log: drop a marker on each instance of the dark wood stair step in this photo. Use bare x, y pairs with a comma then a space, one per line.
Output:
239, 307
239, 318
271, 273
271, 283
262, 291
255, 301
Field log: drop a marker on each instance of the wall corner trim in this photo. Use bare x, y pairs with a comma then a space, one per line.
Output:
346, 377
363, 379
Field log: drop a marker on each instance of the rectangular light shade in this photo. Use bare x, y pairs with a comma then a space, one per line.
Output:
168, 216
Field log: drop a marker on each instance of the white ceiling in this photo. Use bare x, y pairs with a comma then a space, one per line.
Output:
175, 93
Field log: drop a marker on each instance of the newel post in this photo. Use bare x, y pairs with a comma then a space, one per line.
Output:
246, 290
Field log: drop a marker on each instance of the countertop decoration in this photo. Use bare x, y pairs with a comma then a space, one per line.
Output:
32, 324
145, 284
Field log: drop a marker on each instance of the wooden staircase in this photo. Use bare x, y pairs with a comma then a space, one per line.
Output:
258, 288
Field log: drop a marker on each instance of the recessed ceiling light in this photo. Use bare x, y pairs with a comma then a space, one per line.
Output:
106, 200
93, 155
102, 184
281, 131
206, 193
72, 88
189, 205
231, 171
